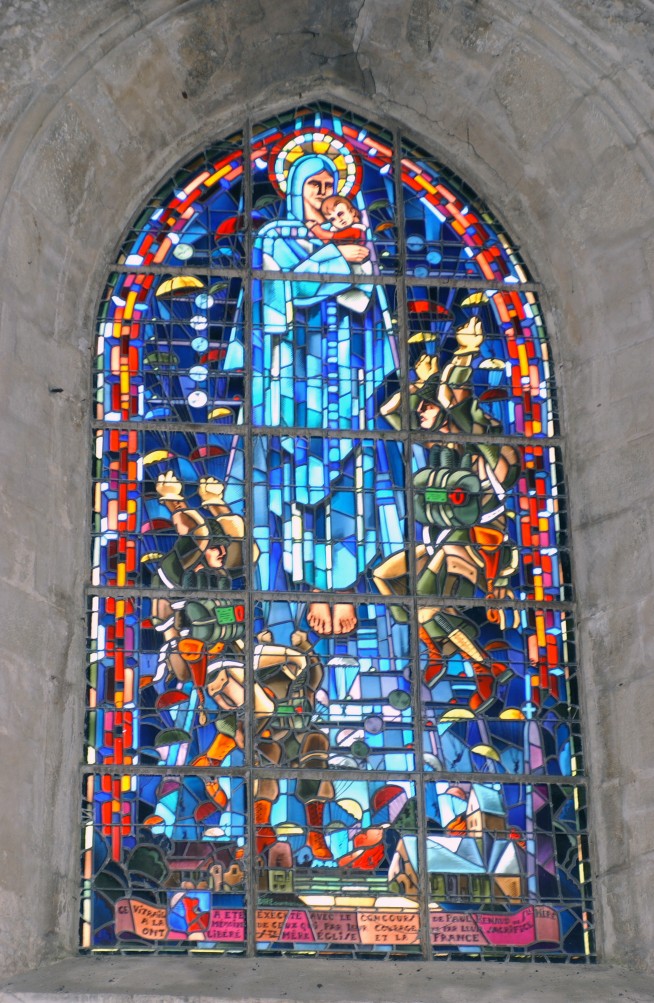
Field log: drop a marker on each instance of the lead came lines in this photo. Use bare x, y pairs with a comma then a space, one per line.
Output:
459, 627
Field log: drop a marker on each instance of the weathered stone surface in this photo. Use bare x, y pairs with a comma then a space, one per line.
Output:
278, 980
545, 109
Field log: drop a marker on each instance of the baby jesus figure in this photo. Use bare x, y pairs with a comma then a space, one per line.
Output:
345, 220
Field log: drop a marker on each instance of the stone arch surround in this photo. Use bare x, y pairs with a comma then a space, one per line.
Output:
543, 108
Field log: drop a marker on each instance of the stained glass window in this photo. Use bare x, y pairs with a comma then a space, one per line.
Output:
332, 697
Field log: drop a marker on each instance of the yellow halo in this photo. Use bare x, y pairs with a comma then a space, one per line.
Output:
315, 141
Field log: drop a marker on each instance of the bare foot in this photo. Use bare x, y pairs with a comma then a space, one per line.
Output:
319, 617
345, 619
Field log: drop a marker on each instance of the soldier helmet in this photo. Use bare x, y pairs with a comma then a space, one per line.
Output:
216, 536
428, 392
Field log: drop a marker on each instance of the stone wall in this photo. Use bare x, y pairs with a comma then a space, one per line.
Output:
543, 107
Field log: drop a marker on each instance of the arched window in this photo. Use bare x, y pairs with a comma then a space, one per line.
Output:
332, 699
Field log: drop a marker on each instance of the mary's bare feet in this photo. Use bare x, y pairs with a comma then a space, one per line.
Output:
344, 618
319, 618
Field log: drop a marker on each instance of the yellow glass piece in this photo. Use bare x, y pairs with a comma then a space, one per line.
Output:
487, 751
156, 456
218, 175
152, 555
457, 714
352, 808
178, 284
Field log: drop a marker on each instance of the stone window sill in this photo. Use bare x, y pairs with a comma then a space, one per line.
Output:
281, 980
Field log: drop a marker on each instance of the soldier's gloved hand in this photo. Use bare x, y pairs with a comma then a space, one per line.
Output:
211, 491
426, 366
169, 487
469, 337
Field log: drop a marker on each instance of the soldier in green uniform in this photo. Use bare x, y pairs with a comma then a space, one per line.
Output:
204, 641
459, 501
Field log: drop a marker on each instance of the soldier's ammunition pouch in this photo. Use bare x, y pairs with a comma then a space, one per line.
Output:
447, 498
213, 620
293, 714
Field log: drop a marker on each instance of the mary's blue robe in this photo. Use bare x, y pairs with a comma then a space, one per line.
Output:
324, 508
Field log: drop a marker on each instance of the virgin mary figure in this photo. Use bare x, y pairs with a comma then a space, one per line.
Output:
323, 353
